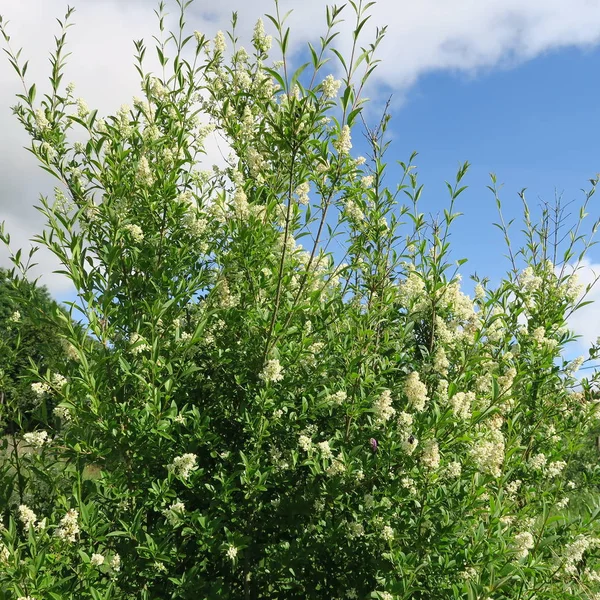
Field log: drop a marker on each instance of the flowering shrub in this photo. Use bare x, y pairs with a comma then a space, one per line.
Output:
242, 417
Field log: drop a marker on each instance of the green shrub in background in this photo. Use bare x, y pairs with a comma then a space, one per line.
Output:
257, 418
26, 335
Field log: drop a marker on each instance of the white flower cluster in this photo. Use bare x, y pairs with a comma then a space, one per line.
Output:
144, 173
97, 560
453, 470
461, 404
261, 41
409, 444
405, 422
416, 391
367, 181
137, 235
174, 512
305, 443
331, 87
26, 516
387, 533
440, 361
575, 550
382, 407
523, 543
40, 388
69, 526
353, 211
344, 143
302, 193
182, 466
538, 462
4, 554
488, 453
555, 468
337, 466
138, 344
36, 439
325, 450
430, 458
272, 371
337, 398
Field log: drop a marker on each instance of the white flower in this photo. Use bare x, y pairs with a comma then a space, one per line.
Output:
409, 484
69, 526
337, 398
538, 462
325, 450
115, 563
382, 407
231, 552
556, 468
15, 317
144, 174
431, 455
453, 470
36, 438
82, 108
40, 388
58, 380
409, 444
337, 467
182, 466
330, 87
273, 371
261, 41
574, 552
387, 533
405, 421
302, 192
343, 144
4, 554
461, 404
416, 391
367, 181
174, 512
353, 211
41, 120
138, 344
523, 544
305, 443
240, 204
219, 43
97, 560
137, 235
488, 454
27, 516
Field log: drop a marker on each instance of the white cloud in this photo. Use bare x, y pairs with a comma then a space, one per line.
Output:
423, 36
585, 322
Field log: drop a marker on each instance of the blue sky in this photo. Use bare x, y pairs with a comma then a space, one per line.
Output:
535, 125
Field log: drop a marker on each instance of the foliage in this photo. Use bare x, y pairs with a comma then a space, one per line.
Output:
27, 335
260, 420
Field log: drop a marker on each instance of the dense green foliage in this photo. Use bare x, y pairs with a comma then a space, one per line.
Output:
27, 335
255, 419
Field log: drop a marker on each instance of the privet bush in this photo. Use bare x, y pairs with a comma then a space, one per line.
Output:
242, 416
